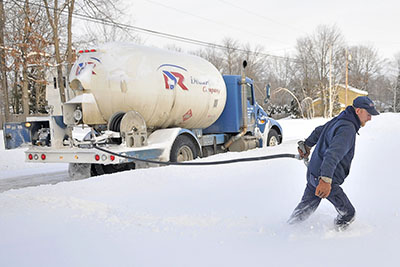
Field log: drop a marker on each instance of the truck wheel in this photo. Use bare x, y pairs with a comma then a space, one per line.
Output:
183, 149
101, 169
273, 138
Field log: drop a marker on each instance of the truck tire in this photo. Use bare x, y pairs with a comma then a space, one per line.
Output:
183, 149
101, 169
273, 138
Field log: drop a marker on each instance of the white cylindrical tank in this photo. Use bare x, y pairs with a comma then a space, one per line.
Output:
168, 89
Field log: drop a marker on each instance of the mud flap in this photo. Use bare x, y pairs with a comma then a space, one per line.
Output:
78, 171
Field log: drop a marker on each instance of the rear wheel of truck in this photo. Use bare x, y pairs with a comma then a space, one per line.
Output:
183, 149
100, 169
273, 138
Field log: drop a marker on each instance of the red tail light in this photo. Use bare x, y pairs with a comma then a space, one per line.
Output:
43, 156
97, 157
112, 157
86, 51
30, 157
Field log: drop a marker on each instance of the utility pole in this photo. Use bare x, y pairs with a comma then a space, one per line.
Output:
348, 57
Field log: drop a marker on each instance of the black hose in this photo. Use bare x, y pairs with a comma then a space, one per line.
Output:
276, 156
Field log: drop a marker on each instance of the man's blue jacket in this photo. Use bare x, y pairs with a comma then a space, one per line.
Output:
335, 147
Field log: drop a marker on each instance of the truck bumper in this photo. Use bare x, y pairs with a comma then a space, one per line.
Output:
87, 155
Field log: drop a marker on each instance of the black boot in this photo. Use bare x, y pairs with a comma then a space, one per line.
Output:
341, 224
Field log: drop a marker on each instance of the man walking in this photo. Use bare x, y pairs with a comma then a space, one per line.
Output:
330, 162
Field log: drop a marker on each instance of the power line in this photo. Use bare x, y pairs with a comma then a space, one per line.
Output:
172, 36
260, 16
157, 33
213, 21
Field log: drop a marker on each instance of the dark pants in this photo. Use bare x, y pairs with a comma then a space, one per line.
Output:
309, 203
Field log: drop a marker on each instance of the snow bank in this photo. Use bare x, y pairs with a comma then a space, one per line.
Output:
230, 215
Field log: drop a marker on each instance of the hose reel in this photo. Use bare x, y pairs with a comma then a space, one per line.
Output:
133, 129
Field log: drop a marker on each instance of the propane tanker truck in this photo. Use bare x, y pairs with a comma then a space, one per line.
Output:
149, 104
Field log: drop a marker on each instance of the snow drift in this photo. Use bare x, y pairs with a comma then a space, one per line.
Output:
230, 215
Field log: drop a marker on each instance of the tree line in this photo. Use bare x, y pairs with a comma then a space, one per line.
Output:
318, 64
36, 38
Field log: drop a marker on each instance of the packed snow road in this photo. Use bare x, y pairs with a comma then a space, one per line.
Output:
26, 180
16, 173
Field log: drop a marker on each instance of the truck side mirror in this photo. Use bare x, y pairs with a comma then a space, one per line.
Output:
267, 93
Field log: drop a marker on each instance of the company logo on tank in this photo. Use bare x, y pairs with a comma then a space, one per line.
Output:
205, 84
211, 90
173, 78
81, 66
194, 80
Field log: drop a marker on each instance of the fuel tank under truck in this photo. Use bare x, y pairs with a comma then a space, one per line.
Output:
168, 89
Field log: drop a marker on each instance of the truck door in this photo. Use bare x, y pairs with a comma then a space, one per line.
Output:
251, 108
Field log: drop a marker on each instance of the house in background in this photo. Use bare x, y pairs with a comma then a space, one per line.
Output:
352, 93
340, 92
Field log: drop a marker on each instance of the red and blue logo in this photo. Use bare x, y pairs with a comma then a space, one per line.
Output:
172, 79
83, 65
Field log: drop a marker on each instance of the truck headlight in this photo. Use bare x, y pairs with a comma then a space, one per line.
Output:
78, 115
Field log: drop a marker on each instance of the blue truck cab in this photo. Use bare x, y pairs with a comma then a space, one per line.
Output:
258, 122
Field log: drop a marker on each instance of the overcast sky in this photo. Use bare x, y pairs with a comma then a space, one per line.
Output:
276, 25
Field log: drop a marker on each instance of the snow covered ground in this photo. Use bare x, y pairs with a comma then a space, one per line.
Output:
230, 215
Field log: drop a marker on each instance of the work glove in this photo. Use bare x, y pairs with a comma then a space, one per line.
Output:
324, 187
304, 150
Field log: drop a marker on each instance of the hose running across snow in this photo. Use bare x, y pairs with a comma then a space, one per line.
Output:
276, 156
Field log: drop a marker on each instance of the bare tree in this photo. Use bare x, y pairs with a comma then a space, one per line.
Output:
313, 61
107, 22
280, 72
255, 58
70, 55
25, 55
231, 56
4, 112
364, 65
396, 87
213, 55
54, 16
173, 47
